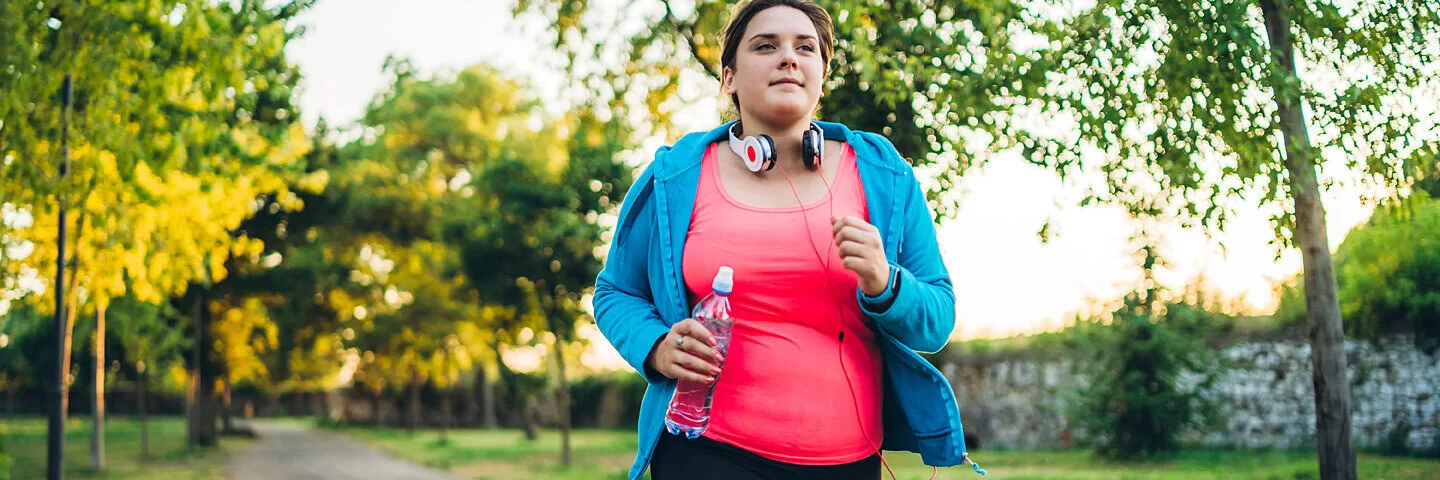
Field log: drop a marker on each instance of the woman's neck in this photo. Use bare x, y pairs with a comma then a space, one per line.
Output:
787, 139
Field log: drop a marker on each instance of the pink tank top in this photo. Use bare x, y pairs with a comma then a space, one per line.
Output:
783, 394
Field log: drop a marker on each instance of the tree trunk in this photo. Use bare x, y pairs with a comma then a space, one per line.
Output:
446, 408
192, 424
318, 405
65, 340
1322, 306
207, 401
414, 401
377, 418
74, 307
65, 358
202, 410
144, 415
97, 434
55, 441
515, 400
191, 437
563, 402
190, 411
487, 397
531, 414
225, 420
272, 403
471, 407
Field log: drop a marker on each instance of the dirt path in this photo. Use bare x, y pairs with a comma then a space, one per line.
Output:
287, 451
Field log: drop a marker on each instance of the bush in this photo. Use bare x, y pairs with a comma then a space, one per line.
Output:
327, 421
587, 395
1388, 275
1396, 443
1152, 380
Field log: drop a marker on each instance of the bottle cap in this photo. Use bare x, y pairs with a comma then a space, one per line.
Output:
724, 281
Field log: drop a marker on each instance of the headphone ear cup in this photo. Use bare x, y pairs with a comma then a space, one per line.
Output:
768, 147
754, 155
811, 148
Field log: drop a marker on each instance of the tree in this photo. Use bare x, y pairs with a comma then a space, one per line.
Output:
1190, 106
301, 276
410, 196
185, 107
538, 245
940, 80
1155, 377
396, 194
472, 205
17, 319
1386, 271
26, 338
151, 339
437, 305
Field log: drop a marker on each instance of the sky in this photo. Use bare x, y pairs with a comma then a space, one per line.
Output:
1007, 281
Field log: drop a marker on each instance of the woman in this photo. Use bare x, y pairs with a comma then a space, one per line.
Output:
838, 279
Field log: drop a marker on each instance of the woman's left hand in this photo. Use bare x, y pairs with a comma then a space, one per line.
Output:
863, 252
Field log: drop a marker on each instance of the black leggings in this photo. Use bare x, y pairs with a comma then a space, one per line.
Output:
678, 458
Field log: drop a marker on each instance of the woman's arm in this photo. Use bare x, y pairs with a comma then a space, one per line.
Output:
921, 314
624, 306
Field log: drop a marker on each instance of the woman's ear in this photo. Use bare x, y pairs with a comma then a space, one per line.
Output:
727, 80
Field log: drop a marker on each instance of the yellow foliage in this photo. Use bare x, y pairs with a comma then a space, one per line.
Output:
250, 143
243, 332
314, 182
180, 89
295, 146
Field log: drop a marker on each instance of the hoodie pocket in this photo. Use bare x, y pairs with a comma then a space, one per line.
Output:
937, 448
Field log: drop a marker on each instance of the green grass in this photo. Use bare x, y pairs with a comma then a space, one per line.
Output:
606, 454
598, 454
24, 440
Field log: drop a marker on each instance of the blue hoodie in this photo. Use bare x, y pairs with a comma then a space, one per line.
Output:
641, 292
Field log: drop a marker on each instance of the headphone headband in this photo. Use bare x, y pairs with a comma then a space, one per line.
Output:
759, 153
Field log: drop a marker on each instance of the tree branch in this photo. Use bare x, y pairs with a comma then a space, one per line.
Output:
687, 30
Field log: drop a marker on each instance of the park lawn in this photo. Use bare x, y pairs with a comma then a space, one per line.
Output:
24, 440
606, 454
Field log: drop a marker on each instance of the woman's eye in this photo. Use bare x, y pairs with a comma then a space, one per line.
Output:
764, 46
808, 48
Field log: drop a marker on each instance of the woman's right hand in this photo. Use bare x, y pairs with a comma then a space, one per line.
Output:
687, 353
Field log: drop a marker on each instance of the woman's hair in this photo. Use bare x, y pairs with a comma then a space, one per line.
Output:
824, 29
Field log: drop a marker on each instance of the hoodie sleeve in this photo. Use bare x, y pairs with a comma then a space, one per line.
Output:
922, 313
624, 306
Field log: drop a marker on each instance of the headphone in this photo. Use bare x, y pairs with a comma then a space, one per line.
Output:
759, 151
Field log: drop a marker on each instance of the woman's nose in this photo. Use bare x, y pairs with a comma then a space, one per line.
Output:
788, 60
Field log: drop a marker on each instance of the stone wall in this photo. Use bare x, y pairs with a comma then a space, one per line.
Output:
1018, 401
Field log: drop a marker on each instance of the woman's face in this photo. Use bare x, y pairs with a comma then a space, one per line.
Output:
778, 67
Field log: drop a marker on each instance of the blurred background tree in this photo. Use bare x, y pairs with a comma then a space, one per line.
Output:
1182, 108
941, 81
1386, 272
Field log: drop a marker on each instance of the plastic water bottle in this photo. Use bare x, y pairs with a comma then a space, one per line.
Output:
689, 413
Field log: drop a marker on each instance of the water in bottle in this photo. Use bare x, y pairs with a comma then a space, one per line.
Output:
689, 412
